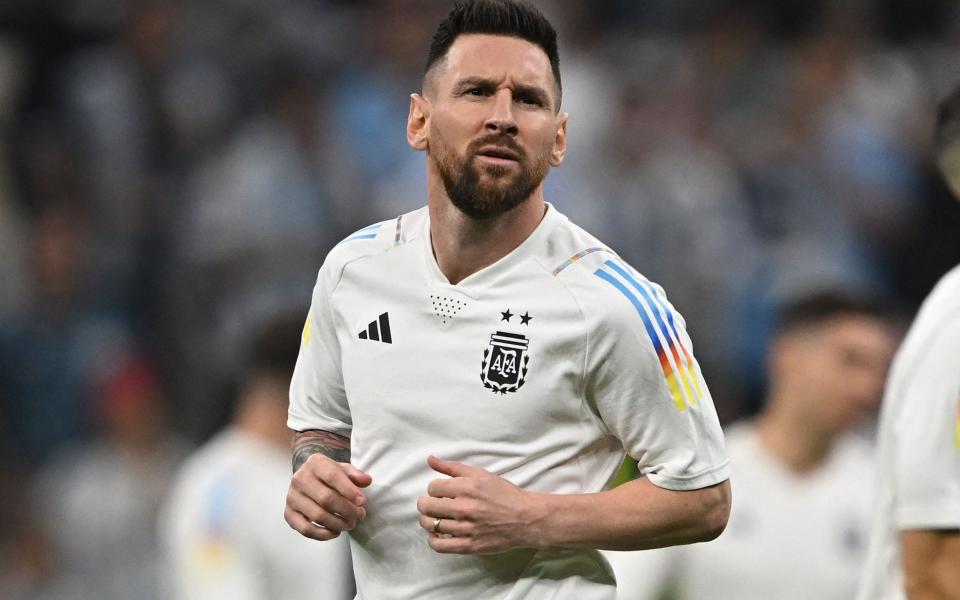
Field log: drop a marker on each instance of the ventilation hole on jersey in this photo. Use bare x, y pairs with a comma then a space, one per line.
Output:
446, 308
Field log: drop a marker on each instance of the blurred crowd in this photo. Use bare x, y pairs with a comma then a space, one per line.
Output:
172, 173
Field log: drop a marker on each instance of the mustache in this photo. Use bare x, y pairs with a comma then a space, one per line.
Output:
499, 140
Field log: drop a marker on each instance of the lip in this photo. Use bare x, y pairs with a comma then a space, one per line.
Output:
496, 160
498, 155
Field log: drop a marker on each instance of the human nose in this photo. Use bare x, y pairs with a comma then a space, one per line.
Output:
501, 118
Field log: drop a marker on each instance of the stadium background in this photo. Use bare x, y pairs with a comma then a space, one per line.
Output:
172, 173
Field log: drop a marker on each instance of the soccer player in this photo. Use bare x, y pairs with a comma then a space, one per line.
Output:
221, 528
798, 529
472, 373
915, 534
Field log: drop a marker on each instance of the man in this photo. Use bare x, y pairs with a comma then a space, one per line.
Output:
798, 528
915, 535
479, 366
221, 527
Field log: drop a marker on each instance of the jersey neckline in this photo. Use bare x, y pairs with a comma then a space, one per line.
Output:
475, 282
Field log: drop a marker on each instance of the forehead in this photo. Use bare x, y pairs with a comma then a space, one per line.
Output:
863, 332
498, 58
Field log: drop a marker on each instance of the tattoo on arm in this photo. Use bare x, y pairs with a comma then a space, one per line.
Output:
313, 441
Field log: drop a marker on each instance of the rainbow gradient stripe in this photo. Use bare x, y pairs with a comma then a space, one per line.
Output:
679, 368
578, 256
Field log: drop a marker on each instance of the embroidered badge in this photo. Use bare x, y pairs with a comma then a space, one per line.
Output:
505, 362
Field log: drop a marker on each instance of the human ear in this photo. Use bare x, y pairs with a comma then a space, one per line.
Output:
418, 122
559, 150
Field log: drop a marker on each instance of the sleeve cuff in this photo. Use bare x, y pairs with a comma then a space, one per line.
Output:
929, 517
712, 476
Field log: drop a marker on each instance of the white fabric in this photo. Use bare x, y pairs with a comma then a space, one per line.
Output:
918, 483
225, 537
790, 537
593, 386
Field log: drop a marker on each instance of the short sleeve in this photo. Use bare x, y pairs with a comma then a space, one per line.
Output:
647, 388
317, 396
928, 436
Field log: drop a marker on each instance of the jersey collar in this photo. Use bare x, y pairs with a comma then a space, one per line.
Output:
486, 276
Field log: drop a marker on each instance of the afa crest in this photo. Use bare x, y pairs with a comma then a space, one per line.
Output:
505, 362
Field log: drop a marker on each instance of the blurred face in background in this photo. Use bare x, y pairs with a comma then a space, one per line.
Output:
59, 251
949, 163
490, 126
833, 373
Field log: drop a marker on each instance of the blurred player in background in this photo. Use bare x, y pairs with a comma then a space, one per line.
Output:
798, 527
222, 530
473, 371
915, 534
96, 502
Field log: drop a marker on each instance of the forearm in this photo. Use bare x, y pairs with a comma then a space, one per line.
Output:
930, 559
314, 441
635, 516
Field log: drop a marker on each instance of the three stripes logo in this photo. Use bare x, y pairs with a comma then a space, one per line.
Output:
378, 331
678, 365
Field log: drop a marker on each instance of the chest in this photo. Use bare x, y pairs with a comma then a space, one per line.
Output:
501, 363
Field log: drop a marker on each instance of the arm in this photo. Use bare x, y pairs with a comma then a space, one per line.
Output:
324, 498
307, 443
930, 563
482, 512
634, 516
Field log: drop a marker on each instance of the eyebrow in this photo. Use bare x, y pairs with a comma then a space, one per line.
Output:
534, 91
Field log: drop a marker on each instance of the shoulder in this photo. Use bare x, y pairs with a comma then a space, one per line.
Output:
934, 336
619, 304
942, 306
372, 241
855, 453
208, 462
580, 260
617, 294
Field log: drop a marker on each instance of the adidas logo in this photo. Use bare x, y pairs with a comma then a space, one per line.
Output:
378, 331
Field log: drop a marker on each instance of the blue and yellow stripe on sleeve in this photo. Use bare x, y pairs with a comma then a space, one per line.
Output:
679, 368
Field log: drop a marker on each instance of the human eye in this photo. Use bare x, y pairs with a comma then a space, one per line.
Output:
476, 91
529, 99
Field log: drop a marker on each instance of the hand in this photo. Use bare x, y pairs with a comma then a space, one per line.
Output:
480, 512
324, 498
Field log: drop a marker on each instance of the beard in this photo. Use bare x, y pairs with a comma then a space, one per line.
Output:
485, 191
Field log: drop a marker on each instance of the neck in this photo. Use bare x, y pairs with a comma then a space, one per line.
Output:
463, 245
792, 439
264, 421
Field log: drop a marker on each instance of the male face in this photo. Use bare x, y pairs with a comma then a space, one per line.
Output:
838, 369
489, 123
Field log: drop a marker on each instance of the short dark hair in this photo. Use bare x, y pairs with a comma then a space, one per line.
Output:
274, 347
512, 18
820, 306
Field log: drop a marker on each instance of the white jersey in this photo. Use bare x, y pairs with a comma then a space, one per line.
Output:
224, 535
918, 484
789, 537
541, 368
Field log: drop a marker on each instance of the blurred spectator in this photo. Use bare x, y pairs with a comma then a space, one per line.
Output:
223, 527
58, 341
97, 501
798, 526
